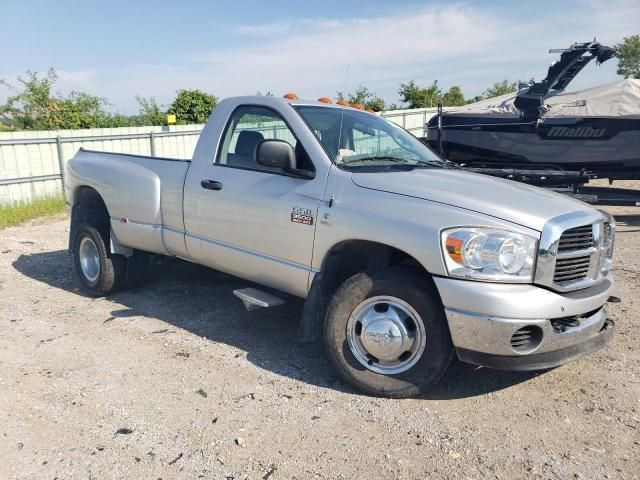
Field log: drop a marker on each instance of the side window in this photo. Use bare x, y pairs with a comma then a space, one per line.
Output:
247, 127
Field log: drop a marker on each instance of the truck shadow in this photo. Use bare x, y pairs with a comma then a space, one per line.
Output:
200, 300
623, 221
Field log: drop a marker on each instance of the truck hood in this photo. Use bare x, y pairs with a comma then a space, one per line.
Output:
514, 202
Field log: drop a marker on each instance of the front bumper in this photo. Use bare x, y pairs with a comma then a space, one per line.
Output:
483, 318
539, 361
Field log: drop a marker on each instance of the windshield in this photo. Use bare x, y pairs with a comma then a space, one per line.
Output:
356, 139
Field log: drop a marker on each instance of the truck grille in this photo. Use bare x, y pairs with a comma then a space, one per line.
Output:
574, 251
573, 262
568, 269
577, 238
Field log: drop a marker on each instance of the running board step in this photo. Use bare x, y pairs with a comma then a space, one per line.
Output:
254, 298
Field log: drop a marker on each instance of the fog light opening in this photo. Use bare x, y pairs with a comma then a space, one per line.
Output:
526, 339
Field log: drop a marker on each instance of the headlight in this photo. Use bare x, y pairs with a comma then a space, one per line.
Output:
608, 238
480, 253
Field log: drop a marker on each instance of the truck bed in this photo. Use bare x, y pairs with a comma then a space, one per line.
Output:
142, 194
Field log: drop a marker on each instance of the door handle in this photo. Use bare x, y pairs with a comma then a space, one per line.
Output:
211, 185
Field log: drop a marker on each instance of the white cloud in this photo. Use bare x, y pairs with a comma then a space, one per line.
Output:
313, 59
266, 29
457, 44
465, 44
70, 80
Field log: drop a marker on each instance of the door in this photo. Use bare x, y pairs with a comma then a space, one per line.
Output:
249, 220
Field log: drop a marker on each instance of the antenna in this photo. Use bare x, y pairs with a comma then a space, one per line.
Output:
333, 189
346, 83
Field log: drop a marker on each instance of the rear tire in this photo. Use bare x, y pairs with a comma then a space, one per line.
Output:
386, 333
98, 272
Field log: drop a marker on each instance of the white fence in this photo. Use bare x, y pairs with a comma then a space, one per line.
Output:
31, 161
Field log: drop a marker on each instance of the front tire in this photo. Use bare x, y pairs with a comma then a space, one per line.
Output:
386, 333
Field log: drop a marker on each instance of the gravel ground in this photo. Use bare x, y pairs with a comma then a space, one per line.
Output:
176, 380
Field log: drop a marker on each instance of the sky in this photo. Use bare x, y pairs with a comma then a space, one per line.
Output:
119, 49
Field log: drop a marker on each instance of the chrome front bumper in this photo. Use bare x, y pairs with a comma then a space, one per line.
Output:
483, 318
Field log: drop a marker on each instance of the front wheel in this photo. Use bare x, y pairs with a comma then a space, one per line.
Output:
387, 334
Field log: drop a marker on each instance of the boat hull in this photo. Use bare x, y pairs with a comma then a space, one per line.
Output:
607, 147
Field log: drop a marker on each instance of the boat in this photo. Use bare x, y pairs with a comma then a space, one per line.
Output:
542, 127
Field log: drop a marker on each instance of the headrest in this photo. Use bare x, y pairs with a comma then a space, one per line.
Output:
247, 142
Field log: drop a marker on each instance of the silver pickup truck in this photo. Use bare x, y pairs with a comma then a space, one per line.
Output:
404, 259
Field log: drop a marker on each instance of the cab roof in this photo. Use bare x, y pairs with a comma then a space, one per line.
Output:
269, 100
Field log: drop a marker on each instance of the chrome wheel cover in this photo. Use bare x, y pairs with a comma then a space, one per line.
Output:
386, 335
89, 259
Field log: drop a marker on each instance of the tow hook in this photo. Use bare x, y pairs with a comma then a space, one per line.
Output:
560, 325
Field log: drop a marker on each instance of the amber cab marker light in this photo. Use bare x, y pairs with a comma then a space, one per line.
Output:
290, 96
342, 103
454, 249
325, 100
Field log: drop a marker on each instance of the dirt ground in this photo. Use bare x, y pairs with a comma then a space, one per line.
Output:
177, 380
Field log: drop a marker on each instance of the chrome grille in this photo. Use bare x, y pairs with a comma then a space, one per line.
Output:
569, 269
575, 251
577, 238
571, 251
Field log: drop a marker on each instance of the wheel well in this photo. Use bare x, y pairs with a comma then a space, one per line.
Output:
89, 197
353, 256
341, 262
89, 207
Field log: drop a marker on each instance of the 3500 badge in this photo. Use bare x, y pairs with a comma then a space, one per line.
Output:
302, 215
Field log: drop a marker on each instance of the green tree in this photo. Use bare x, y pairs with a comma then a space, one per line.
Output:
192, 106
628, 53
419, 97
116, 120
33, 106
500, 88
81, 110
365, 97
150, 112
453, 97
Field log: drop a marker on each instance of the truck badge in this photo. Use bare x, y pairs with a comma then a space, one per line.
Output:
302, 215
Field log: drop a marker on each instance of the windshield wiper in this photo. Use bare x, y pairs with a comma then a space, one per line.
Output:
374, 158
444, 163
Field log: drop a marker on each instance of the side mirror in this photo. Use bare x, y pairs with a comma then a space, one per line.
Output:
276, 153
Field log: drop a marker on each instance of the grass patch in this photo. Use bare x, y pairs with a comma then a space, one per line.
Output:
15, 213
